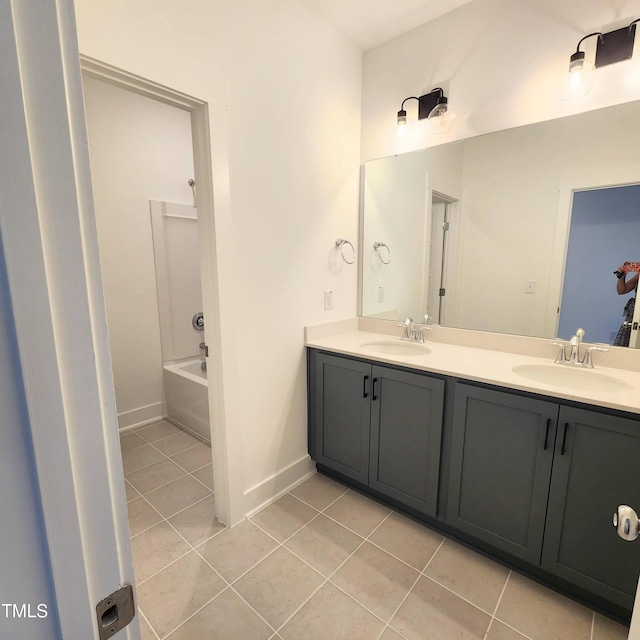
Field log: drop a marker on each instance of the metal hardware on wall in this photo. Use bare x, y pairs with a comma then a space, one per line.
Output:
377, 246
340, 242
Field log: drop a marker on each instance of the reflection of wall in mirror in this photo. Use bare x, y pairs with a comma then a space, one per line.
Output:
605, 231
396, 207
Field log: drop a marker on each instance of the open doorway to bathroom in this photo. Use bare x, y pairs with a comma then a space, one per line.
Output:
142, 163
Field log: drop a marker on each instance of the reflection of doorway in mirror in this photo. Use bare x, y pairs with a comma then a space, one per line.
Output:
604, 232
441, 209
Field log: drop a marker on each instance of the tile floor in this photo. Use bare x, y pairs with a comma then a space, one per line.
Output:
321, 563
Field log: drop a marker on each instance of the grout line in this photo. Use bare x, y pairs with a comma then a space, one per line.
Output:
195, 613
420, 575
495, 610
149, 624
254, 610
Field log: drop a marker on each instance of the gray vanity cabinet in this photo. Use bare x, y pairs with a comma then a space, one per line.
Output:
406, 429
501, 457
379, 426
595, 469
341, 396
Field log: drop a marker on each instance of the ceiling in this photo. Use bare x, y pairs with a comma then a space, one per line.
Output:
371, 22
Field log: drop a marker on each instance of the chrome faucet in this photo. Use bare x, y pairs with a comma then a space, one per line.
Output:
573, 359
411, 333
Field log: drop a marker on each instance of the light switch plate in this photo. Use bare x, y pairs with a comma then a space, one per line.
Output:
328, 300
530, 286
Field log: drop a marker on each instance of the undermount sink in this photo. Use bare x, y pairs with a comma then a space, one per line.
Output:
579, 379
395, 348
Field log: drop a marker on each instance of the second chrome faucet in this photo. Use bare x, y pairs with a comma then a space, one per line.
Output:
411, 332
573, 359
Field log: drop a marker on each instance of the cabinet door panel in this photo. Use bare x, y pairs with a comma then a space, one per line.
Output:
343, 415
597, 472
406, 428
500, 469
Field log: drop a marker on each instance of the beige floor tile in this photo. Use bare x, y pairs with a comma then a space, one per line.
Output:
284, 517
198, 523
234, 551
129, 492
542, 614
470, 575
318, 491
141, 516
140, 457
606, 629
500, 631
407, 540
145, 629
157, 431
194, 458
332, 615
177, 592
376, 580
358, 513
130, 441
155, 476
390, 634
154, 549
205, 475
277, 586
433, 613
177, 495
324, 544
176, 443
225, 618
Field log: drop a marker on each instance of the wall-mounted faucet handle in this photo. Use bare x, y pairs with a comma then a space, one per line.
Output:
587, 361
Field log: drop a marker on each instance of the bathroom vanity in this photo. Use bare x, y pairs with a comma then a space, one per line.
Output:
468, 441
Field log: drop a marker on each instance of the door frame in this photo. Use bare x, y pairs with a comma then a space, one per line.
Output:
47, 228
568, 184
203, 169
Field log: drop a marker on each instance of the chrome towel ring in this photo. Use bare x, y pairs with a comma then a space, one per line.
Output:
340, 244
379, 245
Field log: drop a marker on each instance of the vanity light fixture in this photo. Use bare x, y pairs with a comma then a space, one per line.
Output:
614, 46
435, 108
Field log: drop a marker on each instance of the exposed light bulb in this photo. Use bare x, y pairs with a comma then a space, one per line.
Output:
441, 118
576, 81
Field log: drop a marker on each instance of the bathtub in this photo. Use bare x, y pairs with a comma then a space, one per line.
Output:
185, 390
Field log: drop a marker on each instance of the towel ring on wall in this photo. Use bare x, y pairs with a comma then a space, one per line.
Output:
379, 245
340, 244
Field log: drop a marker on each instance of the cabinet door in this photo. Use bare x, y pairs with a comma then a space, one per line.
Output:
343, 413
406, 428
501, 455
595, 469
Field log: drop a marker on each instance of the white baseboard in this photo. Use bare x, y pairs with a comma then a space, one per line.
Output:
265, 492
141, 416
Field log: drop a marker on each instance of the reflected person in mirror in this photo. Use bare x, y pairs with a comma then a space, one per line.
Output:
624, 286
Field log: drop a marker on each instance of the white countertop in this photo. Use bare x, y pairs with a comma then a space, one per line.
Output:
491, 367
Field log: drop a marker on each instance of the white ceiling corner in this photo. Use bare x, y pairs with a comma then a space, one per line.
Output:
369, 23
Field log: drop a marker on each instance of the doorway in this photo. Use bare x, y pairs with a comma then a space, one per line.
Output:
194, 115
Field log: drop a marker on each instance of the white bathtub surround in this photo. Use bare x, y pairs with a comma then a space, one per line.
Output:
185, 385
177, 262
489, 364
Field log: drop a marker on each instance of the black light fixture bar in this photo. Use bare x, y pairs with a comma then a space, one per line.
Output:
426, 104
615, 46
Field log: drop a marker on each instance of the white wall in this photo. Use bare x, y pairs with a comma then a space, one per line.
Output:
499, 62
140, 150
283, 90
26, 571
